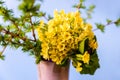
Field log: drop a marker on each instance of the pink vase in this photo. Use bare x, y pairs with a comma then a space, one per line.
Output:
50, 71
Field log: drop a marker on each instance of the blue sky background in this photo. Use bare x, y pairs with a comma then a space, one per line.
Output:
20, 66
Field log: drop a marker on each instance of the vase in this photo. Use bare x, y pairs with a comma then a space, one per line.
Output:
50, 71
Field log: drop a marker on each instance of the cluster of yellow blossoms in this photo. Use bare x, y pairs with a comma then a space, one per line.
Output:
64, 33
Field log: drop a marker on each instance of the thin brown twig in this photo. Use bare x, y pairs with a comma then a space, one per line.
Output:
33, 30
4, 49
14, 24
15, 35
105, 25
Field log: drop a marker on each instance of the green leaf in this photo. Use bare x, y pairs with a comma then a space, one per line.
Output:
82, 6
1, 28
37, 50
90, 11
2, 57
50, 17
91, 7
64, 62
117, 23
100, 26
82, 46
92, 66
37, 7
79, 6
108, 21
42, 14
1, 2
82, 0
38, 59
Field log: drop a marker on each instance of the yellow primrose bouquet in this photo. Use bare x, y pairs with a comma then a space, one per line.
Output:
67, 37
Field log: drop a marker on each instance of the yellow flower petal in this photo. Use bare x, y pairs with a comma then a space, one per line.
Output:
86, 57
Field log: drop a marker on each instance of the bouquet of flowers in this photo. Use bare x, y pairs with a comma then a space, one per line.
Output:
67, 37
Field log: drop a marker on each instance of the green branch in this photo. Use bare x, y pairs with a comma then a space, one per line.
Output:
101, 27
33, 30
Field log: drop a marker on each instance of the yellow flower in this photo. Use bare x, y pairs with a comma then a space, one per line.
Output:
65, 26
86, 57
62, 13
50, 35
55, 13
72, 46
79, 56
44, 51
88, 27
53, 41
56, 58
61, 47
78, 67
66, 35
60, 40
41, 36
70, 41
93, 44
45, 54
62, 34
82, 36
52, 51
41, 24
